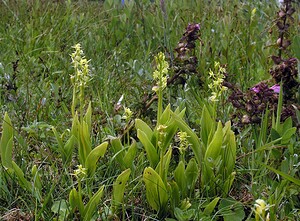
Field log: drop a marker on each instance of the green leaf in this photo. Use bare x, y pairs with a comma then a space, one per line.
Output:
88, 117
288, 135
180, 178
119, 189
118, 150
69, 147
214, 148
60, 207
175, 195
74, 200
166, 163
152, 155
6, 143
231, 210
156, 191
207, 126
192, 174
184, 215
228, 153
211, 206
84, 142
142, 126
37, 183
274, 134
92, 204
284, 175
288, 123
94, 156
130, 154
165, 115
23, 182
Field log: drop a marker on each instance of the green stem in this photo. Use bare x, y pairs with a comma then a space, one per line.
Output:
81, 208
81, 103
73, 102
159, 108
161, 168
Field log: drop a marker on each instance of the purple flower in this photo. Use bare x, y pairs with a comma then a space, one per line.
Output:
275, 88
263, 87
255, 89
123, 2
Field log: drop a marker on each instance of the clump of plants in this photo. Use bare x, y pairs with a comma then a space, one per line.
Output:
185, 62
252, 104
285, 68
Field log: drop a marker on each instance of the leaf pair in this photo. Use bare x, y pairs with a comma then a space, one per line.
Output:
124, 155
149, 138
86, 211
219, 160
156, 190
186, 177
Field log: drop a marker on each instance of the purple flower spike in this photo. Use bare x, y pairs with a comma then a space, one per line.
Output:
275, 88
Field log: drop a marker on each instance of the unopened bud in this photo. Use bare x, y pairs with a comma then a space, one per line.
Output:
278, 42
281, 14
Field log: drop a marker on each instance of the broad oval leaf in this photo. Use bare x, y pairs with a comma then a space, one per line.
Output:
180, 178
90, 207
156, 191
152, 155
119, 189
94, 156
141, 125
6, 144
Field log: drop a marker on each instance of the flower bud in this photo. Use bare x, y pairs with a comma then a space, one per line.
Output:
278, 42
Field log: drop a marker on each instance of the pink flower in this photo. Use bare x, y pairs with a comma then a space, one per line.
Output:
255, 89
275, 88
263, 87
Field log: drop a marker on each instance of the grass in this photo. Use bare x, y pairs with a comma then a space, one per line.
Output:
121, 41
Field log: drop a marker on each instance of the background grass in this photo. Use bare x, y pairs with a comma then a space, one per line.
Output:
36, 40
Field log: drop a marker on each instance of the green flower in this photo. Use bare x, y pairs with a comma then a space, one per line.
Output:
217, 78
161, 134
183, 141
81, 66
127, 114
80, 172
160, 74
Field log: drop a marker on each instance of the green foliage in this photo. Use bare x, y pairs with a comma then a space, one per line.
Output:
148, 173
86, 211
93, 157
231, 210
216, 155
124, 155
6, 143
156, 191
119, 189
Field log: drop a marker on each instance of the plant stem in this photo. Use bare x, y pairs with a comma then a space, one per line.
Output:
159, 107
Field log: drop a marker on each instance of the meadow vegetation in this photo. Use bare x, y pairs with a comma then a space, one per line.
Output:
150, 110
